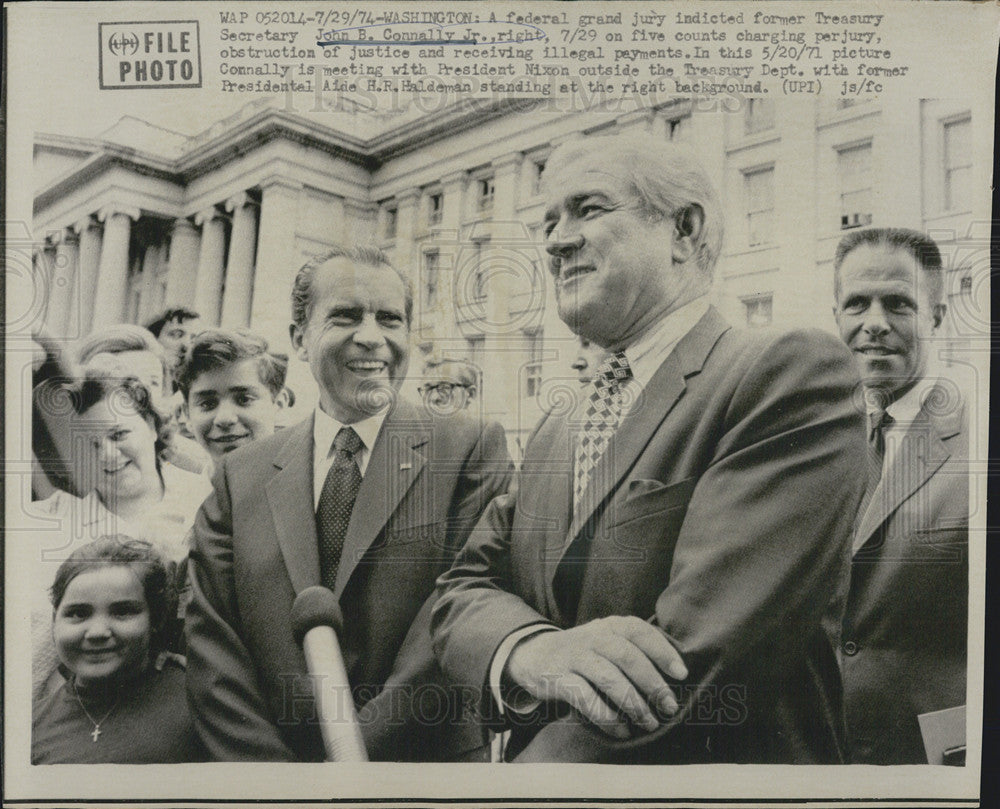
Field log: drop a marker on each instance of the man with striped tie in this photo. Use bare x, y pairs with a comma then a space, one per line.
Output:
664, 582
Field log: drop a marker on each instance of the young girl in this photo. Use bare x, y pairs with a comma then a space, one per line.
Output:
123, 701
111, 429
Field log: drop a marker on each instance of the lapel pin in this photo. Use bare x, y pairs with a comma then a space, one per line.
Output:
404, 466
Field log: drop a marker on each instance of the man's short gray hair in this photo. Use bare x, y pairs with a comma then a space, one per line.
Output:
667, 179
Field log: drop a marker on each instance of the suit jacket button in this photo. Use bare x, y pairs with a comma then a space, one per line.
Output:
850, 648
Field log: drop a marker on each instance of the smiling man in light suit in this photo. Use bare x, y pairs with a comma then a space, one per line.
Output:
905, 628
665, 585
371, 496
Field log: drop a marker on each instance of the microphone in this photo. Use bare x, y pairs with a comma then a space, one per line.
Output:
316, 621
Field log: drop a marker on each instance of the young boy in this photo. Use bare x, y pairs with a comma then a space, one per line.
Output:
232, 387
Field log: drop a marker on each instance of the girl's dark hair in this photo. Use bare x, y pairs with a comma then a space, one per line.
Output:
142, 559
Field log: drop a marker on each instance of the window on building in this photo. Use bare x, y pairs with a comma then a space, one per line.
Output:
391, 220
538, 169
758, 310
854, 172
485, 188
533, 370
477, 349
435, 208
958, 164
479, 287
473, 275
758, 115
431, 278
758, 189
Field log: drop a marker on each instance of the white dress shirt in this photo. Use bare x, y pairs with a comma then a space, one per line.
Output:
904, 412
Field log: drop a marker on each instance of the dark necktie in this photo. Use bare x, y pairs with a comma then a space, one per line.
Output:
604, 411
878, 421
336, 502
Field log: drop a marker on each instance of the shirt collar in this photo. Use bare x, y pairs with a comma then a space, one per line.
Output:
326, 427
906, 408
647, 354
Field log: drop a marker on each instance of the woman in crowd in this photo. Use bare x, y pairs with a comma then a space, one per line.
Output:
128, 350
114, 437
111, 433
123, 698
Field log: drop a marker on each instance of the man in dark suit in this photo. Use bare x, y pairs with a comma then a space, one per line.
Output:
371, 497
904, 640
662, 585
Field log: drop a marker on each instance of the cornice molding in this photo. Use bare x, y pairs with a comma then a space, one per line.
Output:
266, 126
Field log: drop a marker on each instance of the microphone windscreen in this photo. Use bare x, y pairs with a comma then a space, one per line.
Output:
315, 606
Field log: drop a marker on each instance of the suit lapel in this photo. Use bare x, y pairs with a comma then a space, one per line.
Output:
645, 417
290, 496
546, 493
392, 469
924, 448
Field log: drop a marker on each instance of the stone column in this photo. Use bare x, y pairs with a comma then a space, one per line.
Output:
183, 273
801, 297
277, 262
91, 238
43, 259
240, 270
406, 226
150, 302
208, 285
112, 272
63, 293
507, 269
450, 243
902, 206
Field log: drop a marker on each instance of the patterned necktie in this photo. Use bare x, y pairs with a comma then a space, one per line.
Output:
878, 421
604, 412
336, 502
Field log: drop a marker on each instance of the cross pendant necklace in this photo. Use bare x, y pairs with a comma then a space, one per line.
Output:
96, 732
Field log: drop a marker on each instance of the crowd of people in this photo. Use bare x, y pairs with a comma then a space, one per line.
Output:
743, 546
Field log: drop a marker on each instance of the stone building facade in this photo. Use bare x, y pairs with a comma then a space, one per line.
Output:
141, 217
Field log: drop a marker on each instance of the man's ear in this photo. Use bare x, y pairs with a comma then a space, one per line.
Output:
281, 400
939, 311
689, 222
296, 334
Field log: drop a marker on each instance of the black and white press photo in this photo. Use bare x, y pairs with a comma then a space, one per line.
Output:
497, 403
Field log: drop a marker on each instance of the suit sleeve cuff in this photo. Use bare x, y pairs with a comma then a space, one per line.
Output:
500, 657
